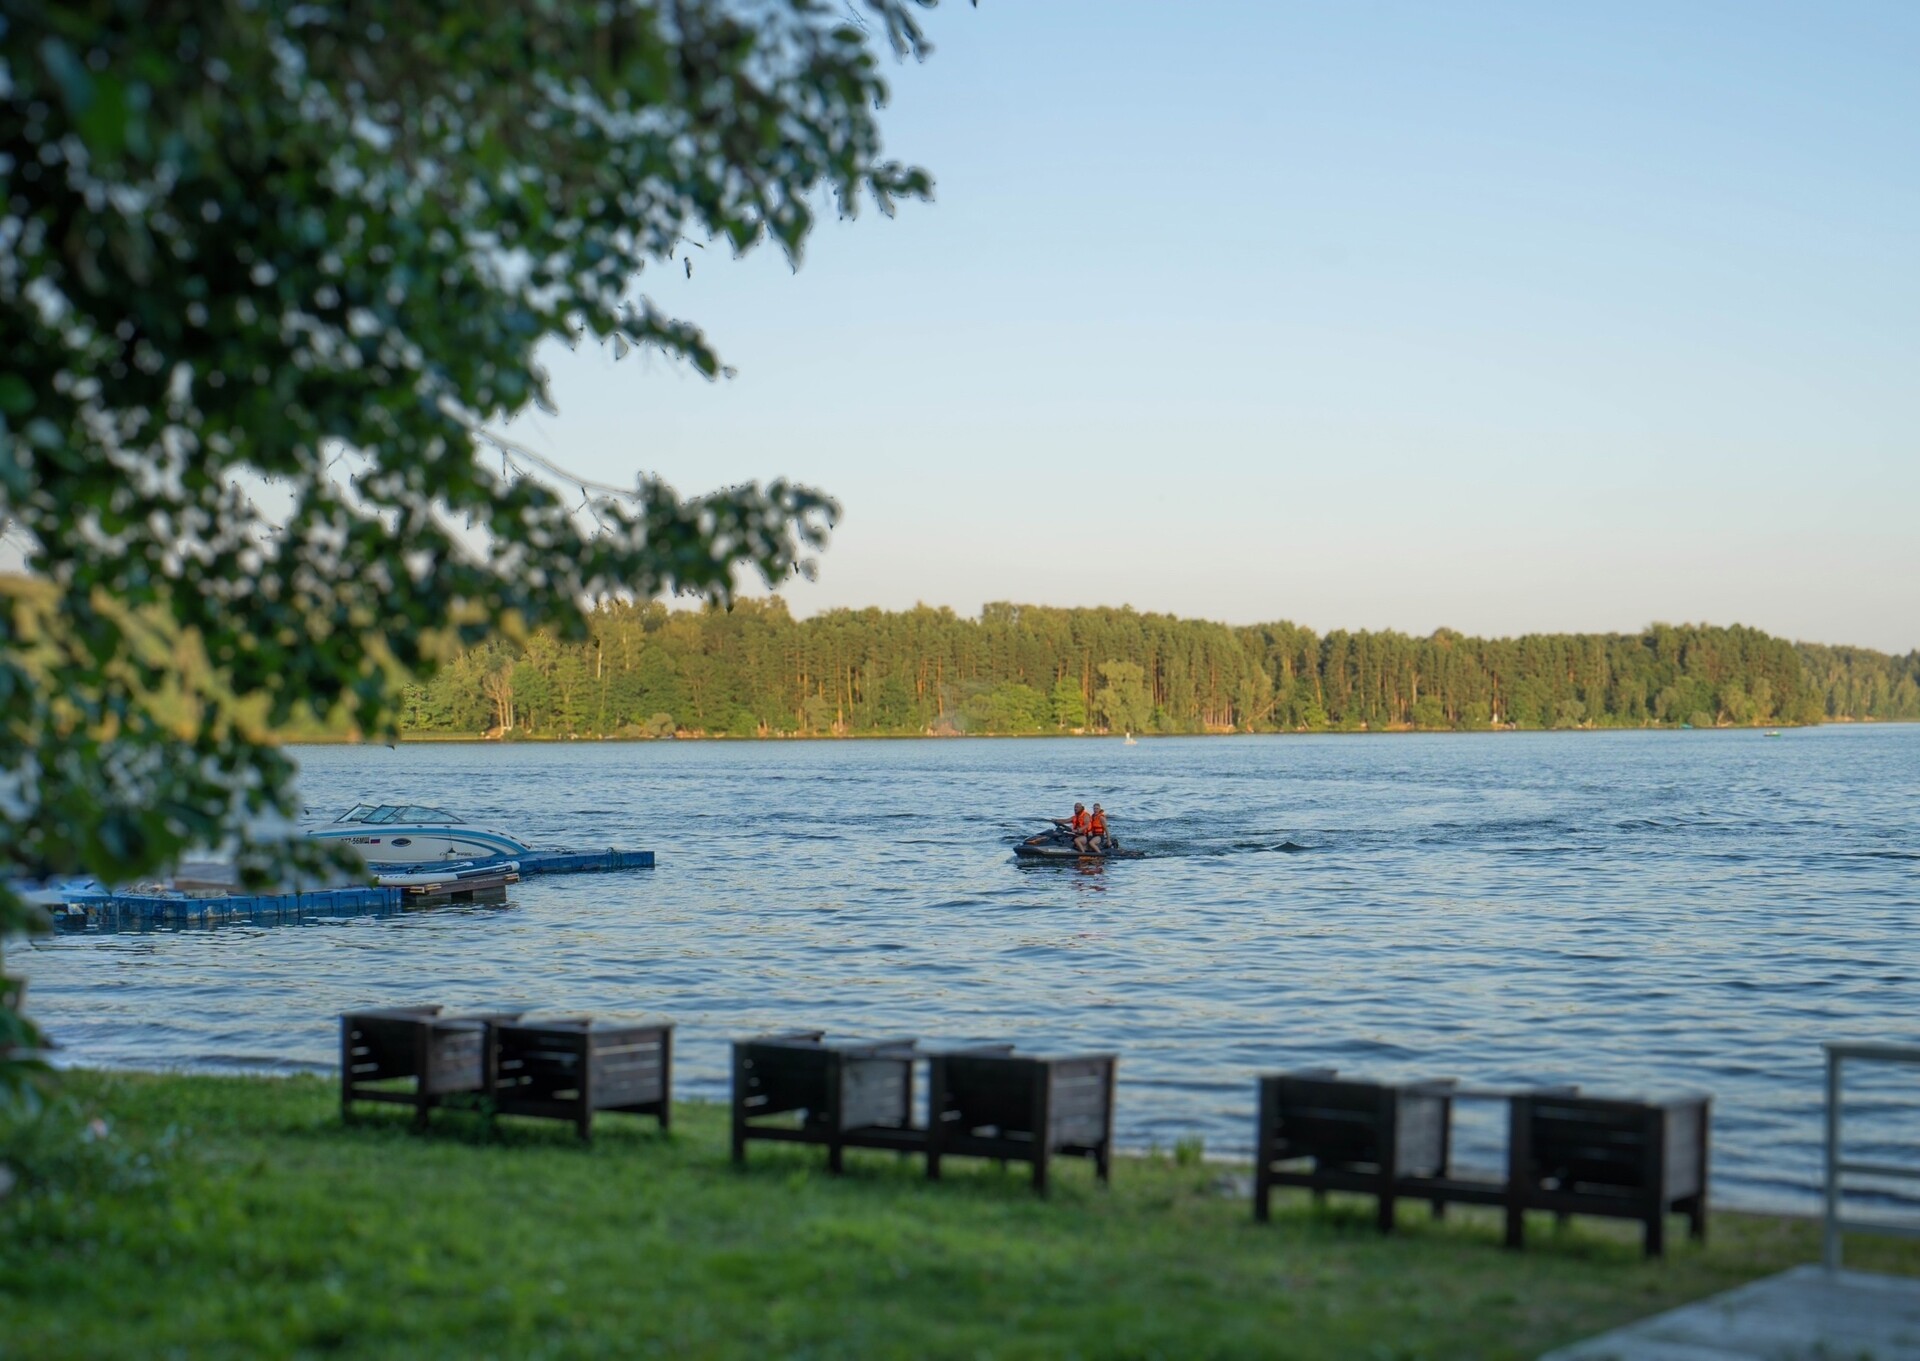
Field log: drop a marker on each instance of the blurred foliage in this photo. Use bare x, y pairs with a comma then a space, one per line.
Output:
67, 1151
266, 268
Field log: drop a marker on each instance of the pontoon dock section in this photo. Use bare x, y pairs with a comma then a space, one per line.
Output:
582, 862
138, 911
109, 912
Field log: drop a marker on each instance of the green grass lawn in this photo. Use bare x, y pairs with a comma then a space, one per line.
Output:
238, 1217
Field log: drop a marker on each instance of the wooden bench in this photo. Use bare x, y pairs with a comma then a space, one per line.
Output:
1626, 1159
436, 1055
1375, 1138
797, 1088
993, 1103
568, 1068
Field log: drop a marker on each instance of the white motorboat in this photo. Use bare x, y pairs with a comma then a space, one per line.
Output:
410, 834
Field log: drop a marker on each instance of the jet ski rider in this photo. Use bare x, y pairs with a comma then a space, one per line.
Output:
1094, 836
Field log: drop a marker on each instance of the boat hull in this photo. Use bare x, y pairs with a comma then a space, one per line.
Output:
423, 845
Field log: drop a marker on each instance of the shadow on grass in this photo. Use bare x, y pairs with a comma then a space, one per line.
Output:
1156, 1185
472, 1127
455, 1127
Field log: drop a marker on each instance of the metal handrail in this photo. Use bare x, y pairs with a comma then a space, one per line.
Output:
1835, 1225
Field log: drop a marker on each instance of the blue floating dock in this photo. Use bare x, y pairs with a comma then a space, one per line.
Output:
99, 911
110, 911
581, 862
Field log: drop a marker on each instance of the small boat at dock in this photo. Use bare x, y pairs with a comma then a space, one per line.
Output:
393, 834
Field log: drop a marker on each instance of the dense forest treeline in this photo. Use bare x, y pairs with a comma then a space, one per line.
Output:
753, 670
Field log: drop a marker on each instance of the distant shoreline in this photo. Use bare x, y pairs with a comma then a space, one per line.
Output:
547, 739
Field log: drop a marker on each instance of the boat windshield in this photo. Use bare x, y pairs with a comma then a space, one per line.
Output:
388, 813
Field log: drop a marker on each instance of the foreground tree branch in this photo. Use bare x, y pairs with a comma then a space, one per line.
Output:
241, 238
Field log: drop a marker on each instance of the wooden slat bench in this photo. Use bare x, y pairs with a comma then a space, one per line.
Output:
568, 1068
994, 1103
846, 1095
436, 1055
1379, 1139
1627, 1159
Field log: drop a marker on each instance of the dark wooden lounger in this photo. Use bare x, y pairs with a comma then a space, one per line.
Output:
857, 1095
569, 1068
1379, 1139
1625, 1159
1567, 1153
442, 1056
993, 1103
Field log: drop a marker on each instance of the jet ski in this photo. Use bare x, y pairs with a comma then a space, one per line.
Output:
1057, 844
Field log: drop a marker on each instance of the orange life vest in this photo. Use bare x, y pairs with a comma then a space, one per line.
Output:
1097, 825
1078, 822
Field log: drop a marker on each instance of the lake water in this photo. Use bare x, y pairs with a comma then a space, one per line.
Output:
1634, 912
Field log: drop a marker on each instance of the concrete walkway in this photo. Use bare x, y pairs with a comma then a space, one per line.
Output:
1806, 1314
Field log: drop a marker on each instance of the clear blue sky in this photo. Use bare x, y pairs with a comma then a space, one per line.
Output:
1504, 317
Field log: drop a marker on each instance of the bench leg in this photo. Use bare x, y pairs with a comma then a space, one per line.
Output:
1262, 1159
1521, 1182
1103, 1163
1654, 1244
836, 1162
1040, 1170
1383, 1211
423, 1075
933, 1164
346, 1073
1697, 1219
583, 1118
738, 1100
666, 1081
